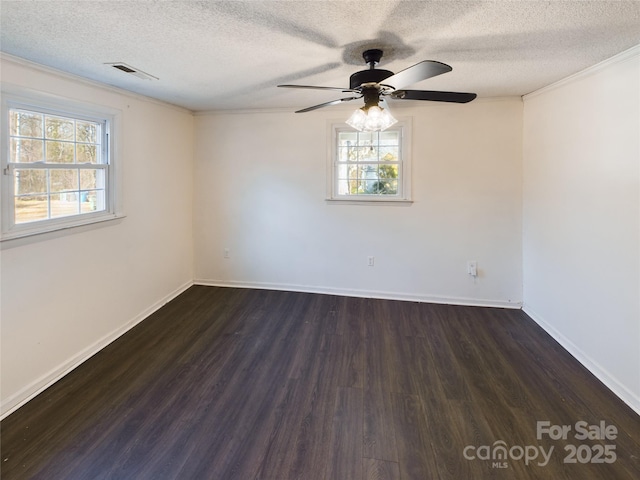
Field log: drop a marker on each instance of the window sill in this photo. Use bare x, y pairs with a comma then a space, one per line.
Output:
370, 201
21, 234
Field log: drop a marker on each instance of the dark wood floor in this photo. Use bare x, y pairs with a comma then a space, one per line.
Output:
245, 384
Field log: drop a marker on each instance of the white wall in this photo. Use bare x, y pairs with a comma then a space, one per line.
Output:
260, 188
65, 295
581, 245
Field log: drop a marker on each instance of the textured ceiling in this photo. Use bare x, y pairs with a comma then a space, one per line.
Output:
214, 55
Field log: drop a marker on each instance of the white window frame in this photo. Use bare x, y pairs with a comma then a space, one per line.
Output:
19, 98
403, 196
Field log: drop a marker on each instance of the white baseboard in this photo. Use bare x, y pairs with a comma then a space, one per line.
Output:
36, 387
350, 292
610, 381
21, 397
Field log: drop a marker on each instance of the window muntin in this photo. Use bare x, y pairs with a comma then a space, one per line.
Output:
57, 167
369, 166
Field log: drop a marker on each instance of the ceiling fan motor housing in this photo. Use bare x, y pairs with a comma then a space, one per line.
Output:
368, 76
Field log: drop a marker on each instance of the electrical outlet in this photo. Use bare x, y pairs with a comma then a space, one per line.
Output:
472, 268
225, 253
371, 261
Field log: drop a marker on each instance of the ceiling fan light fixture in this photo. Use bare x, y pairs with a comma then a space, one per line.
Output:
371, 119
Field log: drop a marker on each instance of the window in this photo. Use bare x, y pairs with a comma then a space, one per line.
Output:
370, 166
57, 166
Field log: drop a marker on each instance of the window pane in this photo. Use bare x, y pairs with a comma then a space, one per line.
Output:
390, 138
367, 138
87, 154
346, 139
369, 185
59, 128
352, 171
91, 179
63, 180
31, 208
342, 171
87, 132
64, 204
388, 171
25, 124
25, 151
368, 172
388, 187
389, 154
347, 154
30, 181
385, 187
92, 201
367, 154
59, 152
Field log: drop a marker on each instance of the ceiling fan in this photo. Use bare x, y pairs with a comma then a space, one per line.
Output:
374, 84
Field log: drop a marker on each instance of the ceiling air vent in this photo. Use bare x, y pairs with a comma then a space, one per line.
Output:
132, 70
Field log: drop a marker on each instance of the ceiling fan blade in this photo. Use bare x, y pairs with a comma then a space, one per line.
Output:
454, 97
318, 88
416, 73
326, 104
